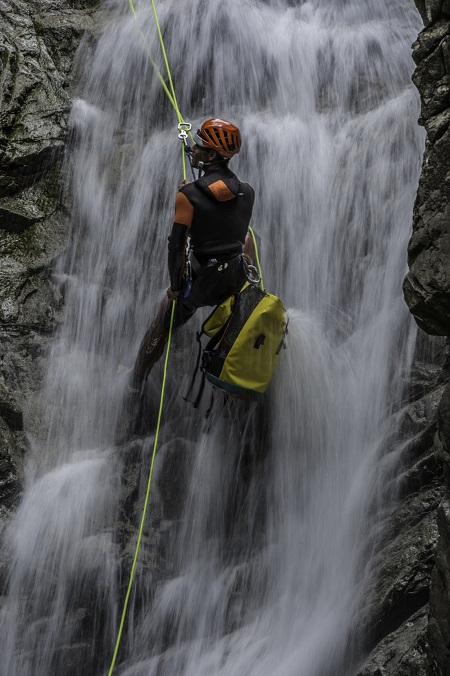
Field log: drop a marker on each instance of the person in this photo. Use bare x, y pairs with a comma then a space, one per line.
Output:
214, 212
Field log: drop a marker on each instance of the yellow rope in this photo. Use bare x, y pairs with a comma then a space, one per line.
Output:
172, 88
146, 501
261, 281
169, 93
173, 100
166, 61
154, 64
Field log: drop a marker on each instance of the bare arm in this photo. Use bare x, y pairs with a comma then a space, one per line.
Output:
177, 242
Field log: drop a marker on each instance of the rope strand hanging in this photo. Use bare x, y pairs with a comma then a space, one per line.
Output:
146, 501
173, 100
170, 93
184, 129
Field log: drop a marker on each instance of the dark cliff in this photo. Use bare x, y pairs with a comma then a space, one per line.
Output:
427, 285
38, 41
408, 632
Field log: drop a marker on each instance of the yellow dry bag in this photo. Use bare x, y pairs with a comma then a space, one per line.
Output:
247, 334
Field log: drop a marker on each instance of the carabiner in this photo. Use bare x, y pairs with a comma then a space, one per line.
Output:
187, 279
252, 274
183, 128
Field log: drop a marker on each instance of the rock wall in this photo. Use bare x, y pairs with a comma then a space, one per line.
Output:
397, 607
38, 40
427, 285
408, 631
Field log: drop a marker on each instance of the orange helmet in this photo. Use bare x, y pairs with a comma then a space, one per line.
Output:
219, 135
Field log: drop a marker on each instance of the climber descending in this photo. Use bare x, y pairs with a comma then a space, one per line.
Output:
215, 212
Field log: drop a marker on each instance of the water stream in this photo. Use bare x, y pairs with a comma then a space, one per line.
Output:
261, 566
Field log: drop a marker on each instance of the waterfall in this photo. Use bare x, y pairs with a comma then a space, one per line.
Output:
257, 564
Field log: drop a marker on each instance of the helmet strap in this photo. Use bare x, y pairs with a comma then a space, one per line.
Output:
203, 166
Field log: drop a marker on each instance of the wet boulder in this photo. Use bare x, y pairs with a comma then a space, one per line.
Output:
38, 43
427, 284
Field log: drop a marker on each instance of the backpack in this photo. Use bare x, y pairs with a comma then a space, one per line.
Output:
247, 333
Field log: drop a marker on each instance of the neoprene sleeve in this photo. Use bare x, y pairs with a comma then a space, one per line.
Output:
177, 254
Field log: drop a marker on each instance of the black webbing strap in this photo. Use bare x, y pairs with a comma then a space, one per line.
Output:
211, 404
198, 398
196, 368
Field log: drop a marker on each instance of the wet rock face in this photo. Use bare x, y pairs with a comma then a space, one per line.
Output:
439, 623
37, 45
395, 616
408, 630
38, 41
427, 286
403, 652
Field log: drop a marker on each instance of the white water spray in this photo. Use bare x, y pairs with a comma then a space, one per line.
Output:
264, 571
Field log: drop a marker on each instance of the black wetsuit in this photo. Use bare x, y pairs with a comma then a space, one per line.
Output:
215, 212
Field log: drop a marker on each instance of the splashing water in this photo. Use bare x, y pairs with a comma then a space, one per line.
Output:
261, 567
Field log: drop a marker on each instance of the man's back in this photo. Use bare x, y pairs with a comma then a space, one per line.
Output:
221, 208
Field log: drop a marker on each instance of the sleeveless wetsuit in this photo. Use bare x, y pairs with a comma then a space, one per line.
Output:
215, 212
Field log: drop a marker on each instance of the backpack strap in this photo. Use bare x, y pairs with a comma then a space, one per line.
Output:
196, 368
211, 404
206, 352
198, 398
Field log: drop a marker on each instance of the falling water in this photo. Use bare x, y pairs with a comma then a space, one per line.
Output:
260, 564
